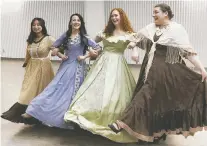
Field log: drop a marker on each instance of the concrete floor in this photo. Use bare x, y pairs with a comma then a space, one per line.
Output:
23, 135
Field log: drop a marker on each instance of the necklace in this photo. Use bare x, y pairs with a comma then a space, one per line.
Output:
161, 30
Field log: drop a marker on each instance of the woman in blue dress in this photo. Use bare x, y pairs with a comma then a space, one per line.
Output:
50, 106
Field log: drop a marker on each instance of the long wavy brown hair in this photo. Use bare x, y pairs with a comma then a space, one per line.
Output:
125, 23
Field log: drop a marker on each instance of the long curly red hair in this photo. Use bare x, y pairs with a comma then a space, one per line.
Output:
125, 23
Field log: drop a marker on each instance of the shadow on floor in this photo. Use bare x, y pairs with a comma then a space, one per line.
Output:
77, 137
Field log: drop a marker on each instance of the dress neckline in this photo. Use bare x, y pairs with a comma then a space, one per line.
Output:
39, 40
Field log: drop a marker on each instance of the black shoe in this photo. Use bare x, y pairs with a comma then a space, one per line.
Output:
31, 121
163, 137
114, 128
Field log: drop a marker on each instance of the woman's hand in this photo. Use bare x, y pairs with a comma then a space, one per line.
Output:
196, 62
136, 59
204, 75
93, 53
64, 57
131, 45
24, 65
55, 51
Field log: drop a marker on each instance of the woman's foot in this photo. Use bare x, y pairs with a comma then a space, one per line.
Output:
115, 127
28, 119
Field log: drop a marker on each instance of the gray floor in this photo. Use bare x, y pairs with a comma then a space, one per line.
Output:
20, 135
23, 135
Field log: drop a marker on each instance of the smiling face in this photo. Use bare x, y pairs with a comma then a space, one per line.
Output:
115, 18
159, 16
75, 22
36, 27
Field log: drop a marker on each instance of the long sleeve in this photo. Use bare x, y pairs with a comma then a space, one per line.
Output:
93, 44
60, 40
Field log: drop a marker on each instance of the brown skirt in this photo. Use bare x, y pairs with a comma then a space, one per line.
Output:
171, 100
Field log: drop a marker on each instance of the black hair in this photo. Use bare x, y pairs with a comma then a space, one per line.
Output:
83, 32
166, 8
32, 34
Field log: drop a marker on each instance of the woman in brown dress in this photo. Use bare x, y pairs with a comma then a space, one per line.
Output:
169, 96
38, 71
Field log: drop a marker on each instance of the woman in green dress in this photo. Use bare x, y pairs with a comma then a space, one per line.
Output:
109, 85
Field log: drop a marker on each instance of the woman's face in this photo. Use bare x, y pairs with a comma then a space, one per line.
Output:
36, 27
115, 17
159, 16
75, 23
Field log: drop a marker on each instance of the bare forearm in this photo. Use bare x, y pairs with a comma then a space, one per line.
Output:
135, 51
59, 54
52, 49
196, 62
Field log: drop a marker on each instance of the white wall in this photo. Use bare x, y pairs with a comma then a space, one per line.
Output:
191, 14
16, 25
94, 17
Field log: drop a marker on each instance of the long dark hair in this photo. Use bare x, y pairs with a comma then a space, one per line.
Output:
83, 32
32, 34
